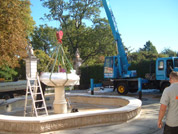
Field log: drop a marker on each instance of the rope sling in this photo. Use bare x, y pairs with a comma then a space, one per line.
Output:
60, 60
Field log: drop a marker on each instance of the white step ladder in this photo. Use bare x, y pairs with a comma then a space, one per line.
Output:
33, 84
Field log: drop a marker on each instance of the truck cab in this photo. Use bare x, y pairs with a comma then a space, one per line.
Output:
164, 66
113, 68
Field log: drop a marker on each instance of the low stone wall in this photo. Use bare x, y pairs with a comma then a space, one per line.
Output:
99, 100
35, 125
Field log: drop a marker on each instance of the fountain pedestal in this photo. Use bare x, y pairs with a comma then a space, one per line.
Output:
59, 81
60, 103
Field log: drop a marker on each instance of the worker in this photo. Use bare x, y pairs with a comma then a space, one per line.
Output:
169, 102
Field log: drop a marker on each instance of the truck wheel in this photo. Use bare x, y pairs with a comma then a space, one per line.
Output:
163, 86
122, 89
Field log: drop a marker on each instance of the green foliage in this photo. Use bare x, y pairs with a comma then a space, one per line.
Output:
142, 67
96, 42
21, 70
93, 71
141, 56
93, 42
169, 53
44, 38
149, 47
75, 10
43, 60
7, 73
142, 60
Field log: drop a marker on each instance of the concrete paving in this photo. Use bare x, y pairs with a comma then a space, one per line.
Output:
145, 123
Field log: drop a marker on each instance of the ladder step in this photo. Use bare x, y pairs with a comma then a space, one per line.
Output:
39, 101
33, 93
37, 93
35, 86
40, 108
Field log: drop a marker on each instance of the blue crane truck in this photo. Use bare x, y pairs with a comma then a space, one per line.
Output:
116, 71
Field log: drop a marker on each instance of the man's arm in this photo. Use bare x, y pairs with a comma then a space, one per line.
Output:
162, 112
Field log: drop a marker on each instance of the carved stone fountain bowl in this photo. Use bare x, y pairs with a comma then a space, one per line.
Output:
60, 79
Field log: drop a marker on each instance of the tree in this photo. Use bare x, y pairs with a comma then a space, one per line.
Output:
71, 15
143, 59
27, 18
169, 53
44, 38
44, 59
92, 42
149, 47
97, 42
15, 25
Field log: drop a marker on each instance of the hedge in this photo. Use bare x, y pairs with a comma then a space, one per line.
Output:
97, 72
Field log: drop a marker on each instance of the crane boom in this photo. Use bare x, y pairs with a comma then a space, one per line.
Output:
122, 56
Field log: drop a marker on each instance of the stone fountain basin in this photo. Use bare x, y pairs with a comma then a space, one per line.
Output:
60, 79
128, 108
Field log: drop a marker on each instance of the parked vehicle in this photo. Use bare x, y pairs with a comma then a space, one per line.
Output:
10, 89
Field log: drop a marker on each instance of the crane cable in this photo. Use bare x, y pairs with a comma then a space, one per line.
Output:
60, 57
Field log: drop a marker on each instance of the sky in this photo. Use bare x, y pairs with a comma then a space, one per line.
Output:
138, 21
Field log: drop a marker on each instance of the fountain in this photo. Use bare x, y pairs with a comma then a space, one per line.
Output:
123, 109
61, 79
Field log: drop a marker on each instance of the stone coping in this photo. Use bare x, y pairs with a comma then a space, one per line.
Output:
16, 124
